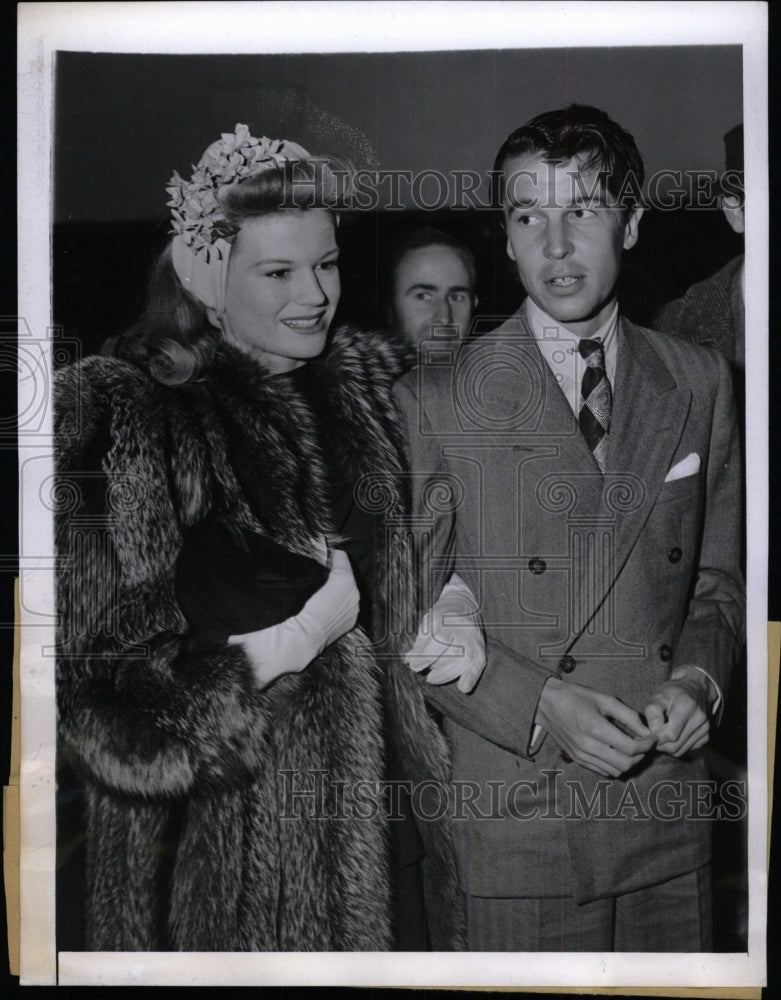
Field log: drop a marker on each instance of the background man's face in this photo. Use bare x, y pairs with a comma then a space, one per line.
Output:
432, 288
567, 237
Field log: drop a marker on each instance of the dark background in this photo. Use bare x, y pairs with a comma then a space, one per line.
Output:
106, 232
125, 122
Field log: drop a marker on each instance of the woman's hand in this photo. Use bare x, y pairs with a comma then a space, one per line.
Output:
291, 646
450, 642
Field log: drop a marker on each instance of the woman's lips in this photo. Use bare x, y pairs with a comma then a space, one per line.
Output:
305, 324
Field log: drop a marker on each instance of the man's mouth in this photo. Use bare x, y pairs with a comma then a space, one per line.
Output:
565, 281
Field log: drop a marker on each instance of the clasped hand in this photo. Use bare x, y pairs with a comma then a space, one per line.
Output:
679, 714
604, 735
292, 645
450, 642
585, 724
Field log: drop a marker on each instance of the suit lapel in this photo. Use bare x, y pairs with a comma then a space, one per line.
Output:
649, 414
648, 418
550, 422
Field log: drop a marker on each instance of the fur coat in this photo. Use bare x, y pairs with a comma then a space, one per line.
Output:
208, 799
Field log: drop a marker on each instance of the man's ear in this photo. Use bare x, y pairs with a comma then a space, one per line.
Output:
509, 249
732, 207
632, 226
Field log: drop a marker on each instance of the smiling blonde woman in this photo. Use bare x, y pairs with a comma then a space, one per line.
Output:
221, 598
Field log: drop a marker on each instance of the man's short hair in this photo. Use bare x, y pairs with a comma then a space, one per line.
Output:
588, 133
418, 238
428, 236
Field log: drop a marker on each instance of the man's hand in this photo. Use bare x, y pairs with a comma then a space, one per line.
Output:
578, 718
679, 714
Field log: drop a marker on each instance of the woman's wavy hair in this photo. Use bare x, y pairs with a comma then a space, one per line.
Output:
173, 338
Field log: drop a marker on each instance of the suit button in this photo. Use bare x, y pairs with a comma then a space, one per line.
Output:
674, 555
566, 757
537, 565
665, 653
567, 664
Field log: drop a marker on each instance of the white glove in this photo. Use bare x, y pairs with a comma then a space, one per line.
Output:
291, 646
450, 640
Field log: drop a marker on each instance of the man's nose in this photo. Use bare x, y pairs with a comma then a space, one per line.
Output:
444, 312
557, 241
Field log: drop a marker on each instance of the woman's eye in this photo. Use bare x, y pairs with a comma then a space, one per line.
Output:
329, 265
526, 220
283, 272
583, 213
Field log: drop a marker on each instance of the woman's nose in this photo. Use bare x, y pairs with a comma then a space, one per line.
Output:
310, 290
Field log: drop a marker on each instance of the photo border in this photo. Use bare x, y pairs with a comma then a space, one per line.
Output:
345, 27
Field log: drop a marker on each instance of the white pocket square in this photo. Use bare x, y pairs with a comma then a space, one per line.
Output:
688, 466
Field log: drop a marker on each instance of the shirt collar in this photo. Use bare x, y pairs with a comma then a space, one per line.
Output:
545, 329
559, 348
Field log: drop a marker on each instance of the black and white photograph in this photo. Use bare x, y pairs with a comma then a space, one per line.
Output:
393, 475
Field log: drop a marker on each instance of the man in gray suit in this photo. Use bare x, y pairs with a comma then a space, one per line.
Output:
595, 482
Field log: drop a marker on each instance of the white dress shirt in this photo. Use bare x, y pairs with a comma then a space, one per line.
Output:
559, 347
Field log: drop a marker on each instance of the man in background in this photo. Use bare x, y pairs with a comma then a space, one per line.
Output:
712, 312
430, 285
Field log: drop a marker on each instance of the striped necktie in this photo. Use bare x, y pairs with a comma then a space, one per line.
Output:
596, 400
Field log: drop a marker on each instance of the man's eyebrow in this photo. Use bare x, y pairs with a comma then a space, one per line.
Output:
420, 286
523, 202
588, 198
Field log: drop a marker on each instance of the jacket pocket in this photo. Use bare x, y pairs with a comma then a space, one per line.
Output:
680, 489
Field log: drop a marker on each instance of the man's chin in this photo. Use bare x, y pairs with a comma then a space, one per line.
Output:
570, 312
442, 331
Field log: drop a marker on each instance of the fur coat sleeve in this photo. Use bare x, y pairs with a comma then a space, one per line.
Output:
139, 716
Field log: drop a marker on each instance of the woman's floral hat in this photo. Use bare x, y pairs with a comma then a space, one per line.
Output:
196, 212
